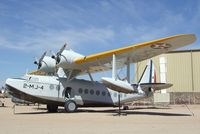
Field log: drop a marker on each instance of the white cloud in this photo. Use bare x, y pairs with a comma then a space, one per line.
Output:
49, 26
51, 40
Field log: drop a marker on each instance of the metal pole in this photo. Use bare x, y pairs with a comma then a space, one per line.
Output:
119, 103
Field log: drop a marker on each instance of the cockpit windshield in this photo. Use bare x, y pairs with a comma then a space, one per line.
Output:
30, 78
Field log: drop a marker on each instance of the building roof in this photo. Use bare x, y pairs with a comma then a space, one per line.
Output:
185, 51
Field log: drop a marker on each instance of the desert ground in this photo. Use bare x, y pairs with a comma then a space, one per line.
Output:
174, 119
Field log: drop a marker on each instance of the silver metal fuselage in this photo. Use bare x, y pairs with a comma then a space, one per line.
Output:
52, 90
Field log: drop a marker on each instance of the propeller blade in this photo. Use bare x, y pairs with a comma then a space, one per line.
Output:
42, 57
62, 49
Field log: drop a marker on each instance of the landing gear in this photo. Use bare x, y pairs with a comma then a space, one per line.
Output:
119, 105
52, 108
125, 107
70, 106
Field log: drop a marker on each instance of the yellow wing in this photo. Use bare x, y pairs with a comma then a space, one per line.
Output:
135, 53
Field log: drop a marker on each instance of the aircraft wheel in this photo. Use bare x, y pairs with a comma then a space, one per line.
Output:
70, 106
52, 108
125, 108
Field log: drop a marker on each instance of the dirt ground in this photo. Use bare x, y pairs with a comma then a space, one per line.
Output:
153, 120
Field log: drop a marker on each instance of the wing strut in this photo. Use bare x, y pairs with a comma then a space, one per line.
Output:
70, 74
90, 75
114, 67
128, 70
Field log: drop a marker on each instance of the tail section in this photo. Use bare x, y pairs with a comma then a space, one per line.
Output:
148, 82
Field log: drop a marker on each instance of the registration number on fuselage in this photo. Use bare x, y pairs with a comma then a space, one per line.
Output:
33, 86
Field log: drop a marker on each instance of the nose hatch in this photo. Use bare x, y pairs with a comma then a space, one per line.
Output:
9, 82
14, 83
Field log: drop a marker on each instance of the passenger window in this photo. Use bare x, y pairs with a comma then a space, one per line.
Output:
91, 91
97, 92
80, 90
86, 91
103, 93
51, 86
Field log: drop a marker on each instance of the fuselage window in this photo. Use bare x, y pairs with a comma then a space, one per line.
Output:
57, 87
51, 86
103, 93
80, 90
97, 92
91, 91
86, 91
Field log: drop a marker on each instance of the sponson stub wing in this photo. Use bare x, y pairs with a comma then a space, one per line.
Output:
118, 85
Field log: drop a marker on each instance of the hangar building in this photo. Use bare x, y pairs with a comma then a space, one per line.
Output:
182, 69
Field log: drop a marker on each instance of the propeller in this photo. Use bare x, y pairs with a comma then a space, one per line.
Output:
57, 56
39, 62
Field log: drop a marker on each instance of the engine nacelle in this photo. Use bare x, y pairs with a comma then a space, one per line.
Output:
66, 59
47, 65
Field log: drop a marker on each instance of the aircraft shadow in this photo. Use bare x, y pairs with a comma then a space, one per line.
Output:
132, 112
112, 112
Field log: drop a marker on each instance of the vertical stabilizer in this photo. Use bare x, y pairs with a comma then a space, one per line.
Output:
149, 74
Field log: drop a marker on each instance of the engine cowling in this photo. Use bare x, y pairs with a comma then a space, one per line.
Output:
66, 58
47, 65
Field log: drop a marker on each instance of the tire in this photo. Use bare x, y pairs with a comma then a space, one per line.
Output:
125, 108
52, 108
70, 106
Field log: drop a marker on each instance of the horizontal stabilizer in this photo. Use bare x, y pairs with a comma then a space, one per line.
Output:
155, 86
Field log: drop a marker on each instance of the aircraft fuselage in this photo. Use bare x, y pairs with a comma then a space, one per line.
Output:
55, 90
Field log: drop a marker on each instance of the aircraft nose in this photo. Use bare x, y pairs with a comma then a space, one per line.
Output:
14, 86
9, 82
13, 83
9, 85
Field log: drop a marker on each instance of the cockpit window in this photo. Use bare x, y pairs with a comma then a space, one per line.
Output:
33, 79
19, 78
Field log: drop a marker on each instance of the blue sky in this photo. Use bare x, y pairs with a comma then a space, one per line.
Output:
28, 28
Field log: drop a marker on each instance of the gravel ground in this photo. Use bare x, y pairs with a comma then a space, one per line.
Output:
175, 119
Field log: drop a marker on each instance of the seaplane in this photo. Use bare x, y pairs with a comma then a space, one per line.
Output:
56, 83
